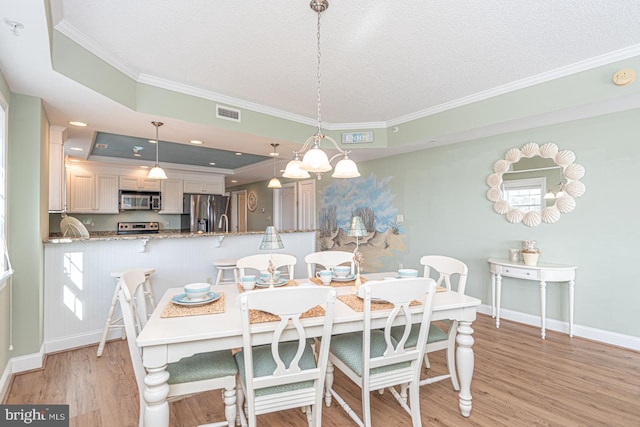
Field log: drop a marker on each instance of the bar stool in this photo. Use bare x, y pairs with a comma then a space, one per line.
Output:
223, 265
116, 323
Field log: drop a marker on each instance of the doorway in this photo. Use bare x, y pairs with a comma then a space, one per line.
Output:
239, 211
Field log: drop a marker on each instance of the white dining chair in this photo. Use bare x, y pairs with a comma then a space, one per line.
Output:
373, 359
327, 259
260, 262
443, 269
195, 374
284, 374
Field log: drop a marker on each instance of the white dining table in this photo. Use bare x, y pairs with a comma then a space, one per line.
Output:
166, 340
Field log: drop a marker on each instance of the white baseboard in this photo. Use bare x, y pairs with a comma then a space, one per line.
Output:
5, 379
606, 337
81, 340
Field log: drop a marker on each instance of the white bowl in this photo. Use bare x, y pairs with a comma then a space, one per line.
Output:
408, 272
196, 291
341, 270
248, 281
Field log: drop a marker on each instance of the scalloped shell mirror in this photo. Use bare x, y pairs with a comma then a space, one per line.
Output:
535, 184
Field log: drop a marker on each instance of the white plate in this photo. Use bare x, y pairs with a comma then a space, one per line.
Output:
279, 282
182, 299
347, 278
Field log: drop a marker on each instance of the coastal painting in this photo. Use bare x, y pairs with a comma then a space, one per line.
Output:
372, 200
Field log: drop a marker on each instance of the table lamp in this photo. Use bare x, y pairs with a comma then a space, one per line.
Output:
270, 241
357, 230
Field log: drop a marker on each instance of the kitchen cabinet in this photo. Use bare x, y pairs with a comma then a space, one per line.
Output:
171, 193
58, 135
139, 183
89, 192
211, 184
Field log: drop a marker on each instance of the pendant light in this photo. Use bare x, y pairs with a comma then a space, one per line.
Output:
315, 160
275, 182
156, 172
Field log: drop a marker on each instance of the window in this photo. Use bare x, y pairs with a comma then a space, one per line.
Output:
5, 265
525, 194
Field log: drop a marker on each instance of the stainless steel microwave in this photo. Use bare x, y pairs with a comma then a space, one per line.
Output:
134, 201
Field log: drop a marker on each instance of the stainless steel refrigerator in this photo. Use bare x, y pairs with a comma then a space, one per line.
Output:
206, 213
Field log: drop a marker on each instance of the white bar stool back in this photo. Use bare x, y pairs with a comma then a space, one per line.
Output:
117, 323
223, 265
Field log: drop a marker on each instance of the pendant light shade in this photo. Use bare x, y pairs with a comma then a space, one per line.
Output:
315, 160
157, 172
346, 168
293, 169
274, 183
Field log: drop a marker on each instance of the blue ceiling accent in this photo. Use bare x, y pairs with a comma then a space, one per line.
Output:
121, 146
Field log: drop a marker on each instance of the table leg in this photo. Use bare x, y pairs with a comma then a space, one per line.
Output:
543, 308
571, 291
465, 362
493, 295
498, 297
156, 412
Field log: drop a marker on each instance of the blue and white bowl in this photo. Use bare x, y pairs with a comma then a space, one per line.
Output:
248, 281
196, 291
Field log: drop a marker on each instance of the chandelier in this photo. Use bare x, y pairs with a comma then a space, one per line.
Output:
315, 160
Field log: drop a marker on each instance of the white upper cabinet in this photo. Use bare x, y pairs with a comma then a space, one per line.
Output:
139, 183
171, 196
89, 192
56, 168
208, 184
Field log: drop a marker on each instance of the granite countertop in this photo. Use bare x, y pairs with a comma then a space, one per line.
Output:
103, 236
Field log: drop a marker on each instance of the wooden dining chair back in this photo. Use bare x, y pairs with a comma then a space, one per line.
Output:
327, 259
374, 359
445, 270
260, 262
195, 374
285, 373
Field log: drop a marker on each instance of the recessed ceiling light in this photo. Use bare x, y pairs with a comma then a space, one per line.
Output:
238, 154
74, 160
79, 124
212, 163
76, 148
234, 180
144, 167
196, 142
137, 155
152, 141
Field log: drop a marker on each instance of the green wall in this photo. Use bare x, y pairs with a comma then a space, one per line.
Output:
442, 194
259, 219
28, 225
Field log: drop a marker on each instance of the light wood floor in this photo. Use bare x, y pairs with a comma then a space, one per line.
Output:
519, 380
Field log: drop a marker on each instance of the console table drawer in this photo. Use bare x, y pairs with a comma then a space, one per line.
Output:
520, 273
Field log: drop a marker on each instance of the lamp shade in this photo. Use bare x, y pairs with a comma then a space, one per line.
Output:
346, 168
357, 228
271, 239
274, 183
315, 160
293, 169
157, 172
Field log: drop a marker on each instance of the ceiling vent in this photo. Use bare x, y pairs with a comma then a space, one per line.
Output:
227, 113
102, 146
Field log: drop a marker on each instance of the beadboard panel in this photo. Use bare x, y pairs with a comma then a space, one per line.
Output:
79, 288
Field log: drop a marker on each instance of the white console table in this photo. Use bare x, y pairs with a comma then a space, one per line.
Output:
542, 273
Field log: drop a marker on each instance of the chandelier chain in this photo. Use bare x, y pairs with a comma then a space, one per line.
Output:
319, 81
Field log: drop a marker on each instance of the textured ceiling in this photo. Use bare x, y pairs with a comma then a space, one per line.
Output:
383, 63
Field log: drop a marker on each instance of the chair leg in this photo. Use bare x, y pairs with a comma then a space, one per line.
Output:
230, 404
366, 408
451, 356
109, 323
328, 384
414, 395
403, 392
426, 361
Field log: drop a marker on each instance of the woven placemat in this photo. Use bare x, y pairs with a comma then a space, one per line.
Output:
291, 282
337, 284
257, 316
175, 310
357, 304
